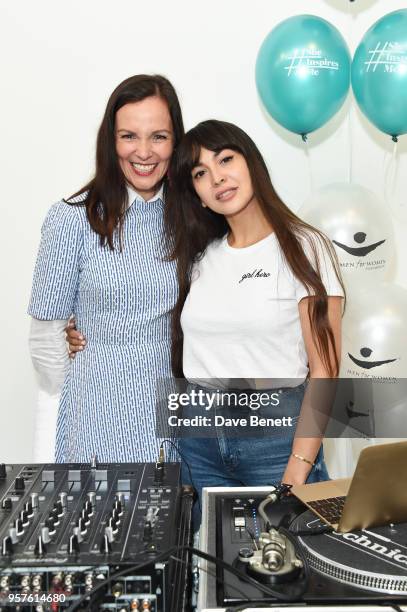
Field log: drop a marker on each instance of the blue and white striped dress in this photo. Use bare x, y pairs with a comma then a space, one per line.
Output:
121, 302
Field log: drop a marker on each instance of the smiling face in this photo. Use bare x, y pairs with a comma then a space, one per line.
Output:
223, 183
144, 143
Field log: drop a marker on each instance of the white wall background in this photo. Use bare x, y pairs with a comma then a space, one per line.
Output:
61, 60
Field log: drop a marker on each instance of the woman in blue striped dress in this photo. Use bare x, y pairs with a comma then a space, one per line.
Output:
102, 260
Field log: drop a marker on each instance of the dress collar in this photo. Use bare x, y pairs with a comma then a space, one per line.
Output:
133, 196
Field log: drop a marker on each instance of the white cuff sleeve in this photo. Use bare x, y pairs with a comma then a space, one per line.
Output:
51, 362
49, 354
45, 427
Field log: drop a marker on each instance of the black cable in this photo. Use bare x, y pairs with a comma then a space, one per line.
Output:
131, 568
213, 575
251, 534
265, 589
299, 552
199, 553
168, 441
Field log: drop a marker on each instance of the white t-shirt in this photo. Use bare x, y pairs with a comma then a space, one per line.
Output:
241, 319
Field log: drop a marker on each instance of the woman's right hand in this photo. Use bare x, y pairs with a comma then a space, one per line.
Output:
74, 338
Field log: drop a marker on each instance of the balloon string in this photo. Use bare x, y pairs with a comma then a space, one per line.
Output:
350, 144
394, 170
390, 175
308, 156
386, 166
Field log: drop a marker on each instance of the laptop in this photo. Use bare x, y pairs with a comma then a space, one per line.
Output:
375, 496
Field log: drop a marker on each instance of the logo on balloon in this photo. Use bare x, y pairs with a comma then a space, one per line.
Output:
368, 365
309, 62
388, 56
375, 334
359, 226
359, 251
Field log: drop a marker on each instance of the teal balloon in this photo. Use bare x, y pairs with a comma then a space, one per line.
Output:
303, 72
379, 74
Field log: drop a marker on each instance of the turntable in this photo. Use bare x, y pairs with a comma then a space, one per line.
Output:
364, 570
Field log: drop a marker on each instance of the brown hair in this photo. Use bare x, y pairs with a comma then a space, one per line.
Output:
194, 227
106, 194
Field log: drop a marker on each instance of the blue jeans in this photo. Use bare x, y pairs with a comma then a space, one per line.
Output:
228, 460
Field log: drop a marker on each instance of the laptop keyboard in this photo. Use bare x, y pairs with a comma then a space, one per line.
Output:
330, 509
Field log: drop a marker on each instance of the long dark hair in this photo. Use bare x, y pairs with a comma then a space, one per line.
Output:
194, 227
106, 194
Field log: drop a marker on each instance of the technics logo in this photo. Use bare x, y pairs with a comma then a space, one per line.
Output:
368, 365
359, 237
395, 554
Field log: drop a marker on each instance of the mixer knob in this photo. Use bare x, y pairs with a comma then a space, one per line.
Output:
29, 509
34, 500
116, 517
58, 508
89, 508
24, 518
107, 540
63, 498
73, 545
112, 524
19, 484
105, 545
81, 526
92, 497
40, 548
85, 517
118, 507
50, 524
19, 527
3, 471
13, 535
110, 534
78, 533
7, 546
53, 515
45, 534
7, 503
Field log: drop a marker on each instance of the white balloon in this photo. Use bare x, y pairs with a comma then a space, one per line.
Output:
374, 338
351, 5
359, 225
374, 355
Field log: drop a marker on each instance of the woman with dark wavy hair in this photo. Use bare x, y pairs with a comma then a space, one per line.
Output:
260, 299
102, 260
